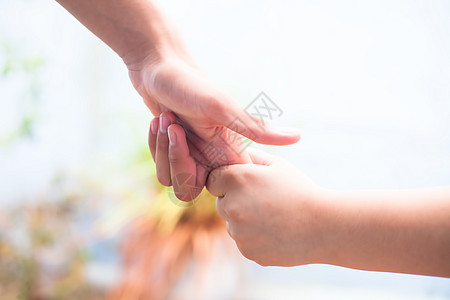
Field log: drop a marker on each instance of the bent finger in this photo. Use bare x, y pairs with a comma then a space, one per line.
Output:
219, 180
252, 125
220, 209
183, 168
152, 134
260, 157
162, 149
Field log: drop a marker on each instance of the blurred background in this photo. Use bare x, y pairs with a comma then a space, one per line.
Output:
81, 213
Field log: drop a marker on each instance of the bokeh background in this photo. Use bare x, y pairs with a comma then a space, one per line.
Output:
368, 83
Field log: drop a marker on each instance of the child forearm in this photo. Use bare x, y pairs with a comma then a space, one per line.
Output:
395, 231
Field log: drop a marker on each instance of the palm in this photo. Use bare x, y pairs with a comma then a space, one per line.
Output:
182, 89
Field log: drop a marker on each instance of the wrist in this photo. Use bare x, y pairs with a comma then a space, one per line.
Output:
325, 216
147, 54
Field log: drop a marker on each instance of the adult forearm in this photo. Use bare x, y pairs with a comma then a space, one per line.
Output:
395, 231
134, 29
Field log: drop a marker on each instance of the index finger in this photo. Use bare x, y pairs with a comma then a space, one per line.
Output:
188, 177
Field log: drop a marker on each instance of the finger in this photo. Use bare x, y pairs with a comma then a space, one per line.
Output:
221, 149
231, 230
220, 209
153, 104
152, 134
220, 180
162, 149
254, 127
202, 175
260, 157
183, 167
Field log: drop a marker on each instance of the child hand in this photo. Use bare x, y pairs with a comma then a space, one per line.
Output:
277, 216
271, 209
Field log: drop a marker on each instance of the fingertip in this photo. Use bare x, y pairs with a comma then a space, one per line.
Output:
152, 136
177, 136
172, 136
214, 182
154, 124
278, 136
163, 178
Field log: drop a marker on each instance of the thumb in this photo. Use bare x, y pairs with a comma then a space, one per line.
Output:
260, 157
255, 128
219, 180
187, 177
223, 179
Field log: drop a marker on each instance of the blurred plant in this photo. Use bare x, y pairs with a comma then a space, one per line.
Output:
27, 69
41, 255
160, 245
162, 239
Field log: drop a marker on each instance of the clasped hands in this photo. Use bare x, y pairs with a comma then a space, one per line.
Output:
255, 194
194, 117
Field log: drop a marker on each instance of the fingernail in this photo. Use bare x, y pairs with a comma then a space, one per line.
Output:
154, 126
172, 137
164, 123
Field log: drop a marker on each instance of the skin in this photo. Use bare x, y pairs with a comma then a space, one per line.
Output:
167, 78
278, 217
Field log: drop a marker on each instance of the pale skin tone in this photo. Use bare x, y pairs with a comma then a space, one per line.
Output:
168, 79
278, 217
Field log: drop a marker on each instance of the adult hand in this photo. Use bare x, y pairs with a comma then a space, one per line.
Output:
165, 75
177, 85
205, 113
172, 82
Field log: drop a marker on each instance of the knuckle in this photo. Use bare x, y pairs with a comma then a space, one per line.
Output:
262, 262
242, 175
246, 252
234, 213
232, 176
246, 174
253, 254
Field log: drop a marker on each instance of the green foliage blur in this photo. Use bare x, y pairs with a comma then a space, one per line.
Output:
27, 68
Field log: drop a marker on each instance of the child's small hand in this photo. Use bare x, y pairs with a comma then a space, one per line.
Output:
271, 210
277, 216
